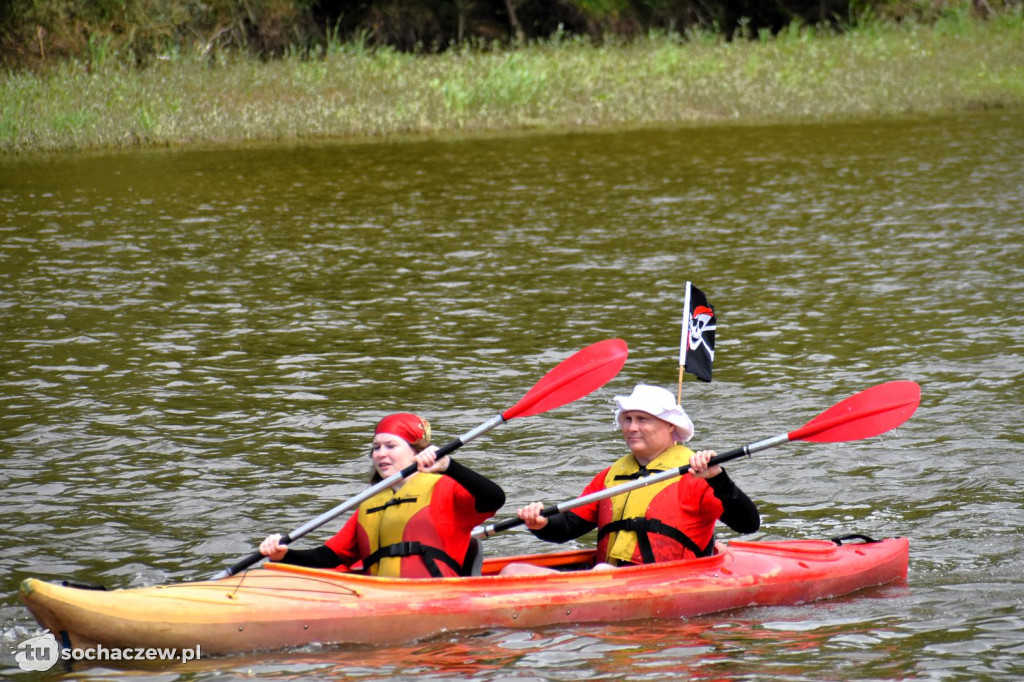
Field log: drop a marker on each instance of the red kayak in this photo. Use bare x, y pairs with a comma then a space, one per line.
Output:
285, 606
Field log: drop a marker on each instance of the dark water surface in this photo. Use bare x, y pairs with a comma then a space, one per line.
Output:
196, 345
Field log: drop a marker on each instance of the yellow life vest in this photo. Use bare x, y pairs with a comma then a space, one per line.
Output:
385, 516
621, 545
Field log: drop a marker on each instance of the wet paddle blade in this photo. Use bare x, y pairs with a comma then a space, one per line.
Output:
578, 375
869, 413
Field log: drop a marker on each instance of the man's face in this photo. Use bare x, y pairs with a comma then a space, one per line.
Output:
646, 435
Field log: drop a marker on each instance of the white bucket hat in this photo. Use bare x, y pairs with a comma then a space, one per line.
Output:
658, 402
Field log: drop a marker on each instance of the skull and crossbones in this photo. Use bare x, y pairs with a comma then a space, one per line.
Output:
702, 320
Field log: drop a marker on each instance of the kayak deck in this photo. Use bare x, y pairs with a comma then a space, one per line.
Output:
280, 605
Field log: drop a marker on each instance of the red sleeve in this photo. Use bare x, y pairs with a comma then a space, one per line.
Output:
588, 512
709, 505
346, 542
453, 514
461, 502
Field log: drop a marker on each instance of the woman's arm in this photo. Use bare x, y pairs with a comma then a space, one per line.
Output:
321, 557
488, 495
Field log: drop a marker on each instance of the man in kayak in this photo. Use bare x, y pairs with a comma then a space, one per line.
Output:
419, 527
671, 519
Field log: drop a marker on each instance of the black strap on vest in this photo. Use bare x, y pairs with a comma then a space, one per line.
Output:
431, 555
391, 503
642, 527
639, 473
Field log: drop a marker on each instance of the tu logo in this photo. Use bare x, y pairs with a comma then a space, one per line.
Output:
38, 653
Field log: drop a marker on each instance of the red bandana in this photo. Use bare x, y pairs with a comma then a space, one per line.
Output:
409, 427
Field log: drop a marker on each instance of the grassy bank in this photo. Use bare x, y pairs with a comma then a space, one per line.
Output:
353, 92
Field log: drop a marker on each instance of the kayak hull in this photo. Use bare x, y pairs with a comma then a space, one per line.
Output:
285, 606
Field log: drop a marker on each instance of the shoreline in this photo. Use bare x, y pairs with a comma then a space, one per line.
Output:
354, 95
447, 137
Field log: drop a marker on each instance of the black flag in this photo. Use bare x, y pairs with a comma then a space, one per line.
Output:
697, 346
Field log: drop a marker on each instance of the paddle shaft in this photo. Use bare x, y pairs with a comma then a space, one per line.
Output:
354, 502
746, 450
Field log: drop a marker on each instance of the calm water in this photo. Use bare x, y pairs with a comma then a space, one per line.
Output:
195, 346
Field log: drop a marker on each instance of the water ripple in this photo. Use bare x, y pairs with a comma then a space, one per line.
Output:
196, 347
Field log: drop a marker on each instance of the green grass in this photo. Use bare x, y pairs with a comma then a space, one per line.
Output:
351, 91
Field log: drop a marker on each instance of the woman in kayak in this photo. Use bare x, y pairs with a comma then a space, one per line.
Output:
671, 519
420, 526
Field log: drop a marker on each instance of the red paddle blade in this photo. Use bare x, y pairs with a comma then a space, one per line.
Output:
581, 373
869, 413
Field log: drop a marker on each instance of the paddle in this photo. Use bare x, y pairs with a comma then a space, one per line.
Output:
869, 413
580, 374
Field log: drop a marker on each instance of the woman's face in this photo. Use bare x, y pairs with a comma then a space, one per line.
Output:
390, 454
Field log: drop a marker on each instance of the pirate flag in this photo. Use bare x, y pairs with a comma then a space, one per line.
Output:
697, 345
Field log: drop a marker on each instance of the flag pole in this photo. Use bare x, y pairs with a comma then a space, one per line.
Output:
684, 341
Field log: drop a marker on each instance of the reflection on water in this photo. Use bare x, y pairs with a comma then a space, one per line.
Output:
725, 647
196, 346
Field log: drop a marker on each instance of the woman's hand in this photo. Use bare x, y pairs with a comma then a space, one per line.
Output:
428, 463
272, 547
530, 514
699, 464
